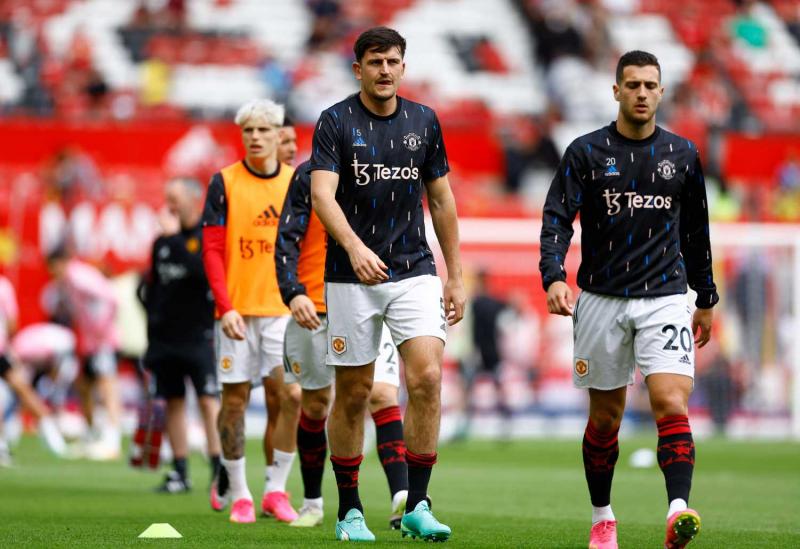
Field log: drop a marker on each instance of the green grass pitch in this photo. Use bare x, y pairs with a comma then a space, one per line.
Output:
520, 494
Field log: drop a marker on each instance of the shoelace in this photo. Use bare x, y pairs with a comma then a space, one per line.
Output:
357, 522
605, 533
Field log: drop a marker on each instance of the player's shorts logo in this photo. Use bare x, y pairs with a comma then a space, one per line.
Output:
296, 368
666, 169
192, 245
226, 363
412, 141
338, 344
581, 367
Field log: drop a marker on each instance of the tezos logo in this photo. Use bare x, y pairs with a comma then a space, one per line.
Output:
666, 169
635, 201
412, 141
365, 173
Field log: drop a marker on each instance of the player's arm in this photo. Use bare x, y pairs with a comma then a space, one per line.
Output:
696, 250
149, 282
293, 227
215, 215
560, 208
442, 206
325, 162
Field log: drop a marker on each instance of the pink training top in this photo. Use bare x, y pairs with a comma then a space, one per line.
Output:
42, 341
9, 311
94, 307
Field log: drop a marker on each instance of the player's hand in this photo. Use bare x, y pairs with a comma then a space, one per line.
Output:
455, 299
304, 312
559, 299
233, 325
702, 319
367, 265
168, 222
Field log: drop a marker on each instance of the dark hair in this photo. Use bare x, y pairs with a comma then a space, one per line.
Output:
287, 121
380, 39
58, 252
636, 58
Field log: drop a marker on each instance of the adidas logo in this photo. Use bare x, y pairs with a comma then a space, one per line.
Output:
685, 360
270, 216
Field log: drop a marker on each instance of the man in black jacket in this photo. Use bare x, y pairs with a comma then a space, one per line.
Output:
180, 320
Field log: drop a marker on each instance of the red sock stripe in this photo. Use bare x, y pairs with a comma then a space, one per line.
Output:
387, 415
311, 425
673, 425
420, 460
599, 438
347, 462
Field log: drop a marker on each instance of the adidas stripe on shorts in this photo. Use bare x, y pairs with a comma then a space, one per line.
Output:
615, 334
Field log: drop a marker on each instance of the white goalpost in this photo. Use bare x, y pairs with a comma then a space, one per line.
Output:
757, 270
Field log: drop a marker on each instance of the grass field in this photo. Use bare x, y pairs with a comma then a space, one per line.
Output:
521, 494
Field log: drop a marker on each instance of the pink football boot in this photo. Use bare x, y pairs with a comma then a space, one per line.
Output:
277, 504
603, 535
242, 511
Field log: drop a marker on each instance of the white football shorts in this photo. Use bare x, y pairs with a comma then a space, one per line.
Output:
305, 352
412, 307
256, 356
615, 334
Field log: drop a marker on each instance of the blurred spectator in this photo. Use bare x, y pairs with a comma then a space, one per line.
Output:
24, 51
750, 295
92, 310
789, 172
276, 77
552, 24
155, 77
326, 24
72, 176
527, 145
746, 27
478, 54
97, 92
486, 311
715, 380
790, 13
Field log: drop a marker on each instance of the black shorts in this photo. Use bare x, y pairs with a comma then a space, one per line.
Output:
171, 366
5, 366
101, 363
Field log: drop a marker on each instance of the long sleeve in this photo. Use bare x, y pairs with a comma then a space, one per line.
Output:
214, 234
695, 241
294, 223
560, 209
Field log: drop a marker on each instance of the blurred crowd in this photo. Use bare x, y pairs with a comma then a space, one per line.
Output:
573, 45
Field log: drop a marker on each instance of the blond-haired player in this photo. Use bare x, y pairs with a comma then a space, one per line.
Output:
240, 224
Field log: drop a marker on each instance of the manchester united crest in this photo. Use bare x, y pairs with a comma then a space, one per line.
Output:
412, 141
666, 169
581, 367
193, 245
226, 363
296, 368
338, 344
